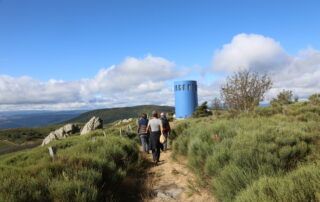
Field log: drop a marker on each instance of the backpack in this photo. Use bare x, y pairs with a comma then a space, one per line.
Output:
165, 124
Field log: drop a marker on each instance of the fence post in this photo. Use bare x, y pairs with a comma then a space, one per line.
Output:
52, 152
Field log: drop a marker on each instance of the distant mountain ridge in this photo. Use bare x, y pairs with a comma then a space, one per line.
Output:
110, 115
31, 119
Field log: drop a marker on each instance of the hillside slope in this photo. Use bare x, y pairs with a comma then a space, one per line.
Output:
271, 154
85, 168
113, 114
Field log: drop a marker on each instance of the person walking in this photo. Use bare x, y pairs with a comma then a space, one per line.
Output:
166, 130
155, 127
143, 132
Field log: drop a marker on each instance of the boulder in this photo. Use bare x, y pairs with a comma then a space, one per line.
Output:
123, 121
93, 124
61, 133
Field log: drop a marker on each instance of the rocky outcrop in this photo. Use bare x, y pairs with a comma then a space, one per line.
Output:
93, 124
124, 121
61, 133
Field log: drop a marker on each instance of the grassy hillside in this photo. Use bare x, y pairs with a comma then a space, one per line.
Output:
85, 168
272, 154
113, 114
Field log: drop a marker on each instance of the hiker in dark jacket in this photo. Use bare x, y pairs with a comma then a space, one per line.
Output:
166, 129
155, 127
143, 132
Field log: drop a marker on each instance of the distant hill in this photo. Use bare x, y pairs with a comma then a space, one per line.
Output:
112, 114
31, 119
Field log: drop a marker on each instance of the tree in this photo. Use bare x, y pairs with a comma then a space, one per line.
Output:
202, 110
283, 98
315, 99
244, 90
216, 104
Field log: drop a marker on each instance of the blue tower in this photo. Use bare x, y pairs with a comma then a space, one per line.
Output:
186, 98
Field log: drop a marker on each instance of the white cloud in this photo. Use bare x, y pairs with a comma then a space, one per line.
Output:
133, 73
148, 80
134, 81
299, 73
250, 51
25, 90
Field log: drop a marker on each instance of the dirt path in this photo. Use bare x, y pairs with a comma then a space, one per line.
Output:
173, 181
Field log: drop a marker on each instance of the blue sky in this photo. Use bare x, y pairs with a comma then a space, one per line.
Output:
72, 40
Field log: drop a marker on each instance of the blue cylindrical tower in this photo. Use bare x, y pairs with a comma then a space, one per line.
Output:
186, 98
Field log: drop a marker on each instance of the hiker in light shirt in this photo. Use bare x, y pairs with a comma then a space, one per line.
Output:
155, 127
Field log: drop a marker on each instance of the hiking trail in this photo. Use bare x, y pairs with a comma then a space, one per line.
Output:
171, 180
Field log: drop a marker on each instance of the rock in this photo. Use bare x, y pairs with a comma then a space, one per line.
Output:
163, 196
69, 128
93, 124
166, 192
61, 133
52, 152
124, 121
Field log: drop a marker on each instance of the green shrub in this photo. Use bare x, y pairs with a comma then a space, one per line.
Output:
301, 185
315, 99
86, 168
232, 154
267, 111
198, 153
202, 110
179, 129
72, 190
230, 181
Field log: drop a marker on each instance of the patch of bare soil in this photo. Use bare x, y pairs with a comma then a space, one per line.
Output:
171, 180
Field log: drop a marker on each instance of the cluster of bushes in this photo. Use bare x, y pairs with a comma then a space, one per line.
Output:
301, 111
254, 157
202, 111
21, 135
85, 168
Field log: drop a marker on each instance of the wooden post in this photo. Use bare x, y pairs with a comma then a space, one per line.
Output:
52, 152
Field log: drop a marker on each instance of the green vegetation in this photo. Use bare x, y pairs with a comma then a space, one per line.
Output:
270, 154
202, 111
315, 99
283, 98
85, 168
6, 144
17, 139
113, 114
21, 135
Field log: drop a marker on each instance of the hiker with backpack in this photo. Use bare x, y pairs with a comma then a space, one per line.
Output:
143, 132
155, 128
166, 130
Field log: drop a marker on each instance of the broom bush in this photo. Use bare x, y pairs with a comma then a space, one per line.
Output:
241, 157
85, 168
